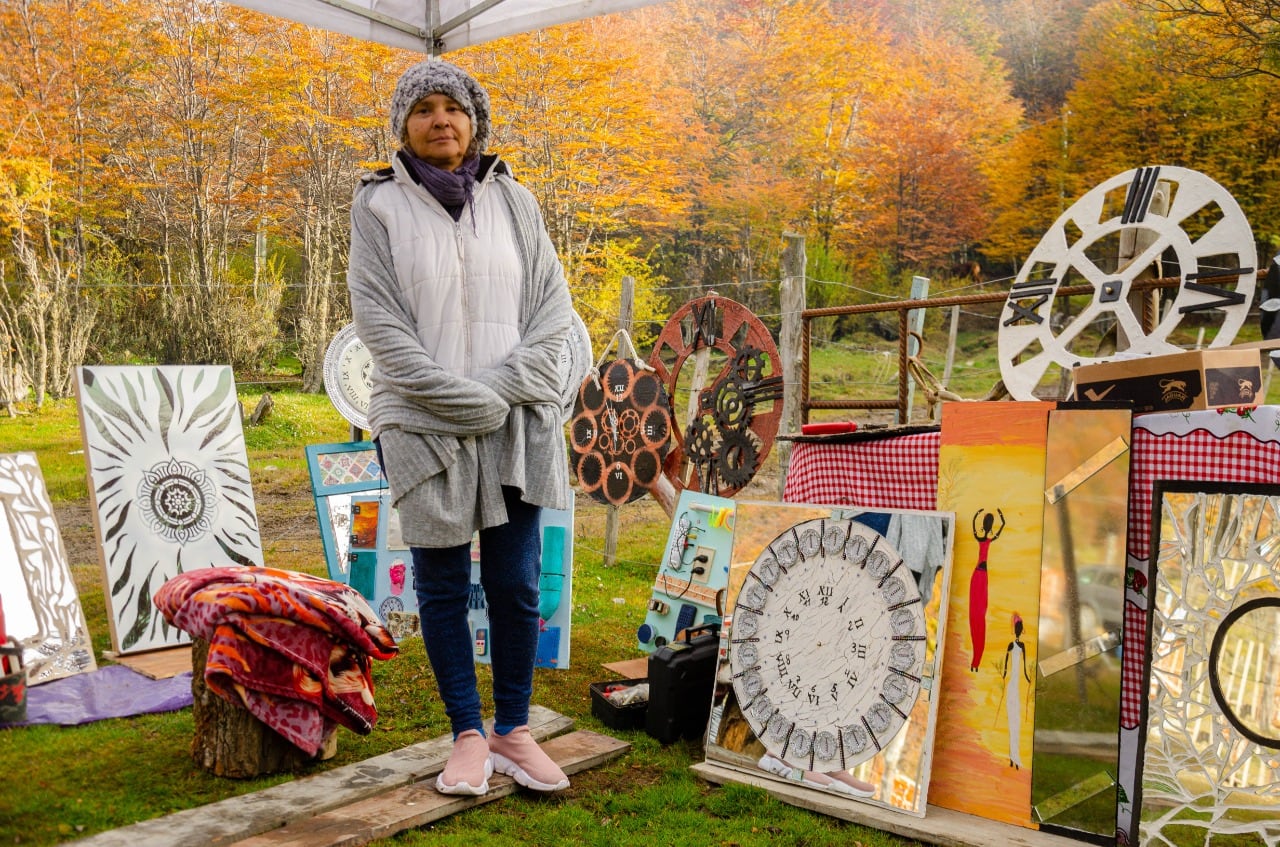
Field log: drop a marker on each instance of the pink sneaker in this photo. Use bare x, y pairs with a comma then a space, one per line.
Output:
469, 766
519, 757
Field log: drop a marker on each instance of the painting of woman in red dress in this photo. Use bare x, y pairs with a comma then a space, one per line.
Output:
978, 583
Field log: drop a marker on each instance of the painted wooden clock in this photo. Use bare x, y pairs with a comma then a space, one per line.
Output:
827, 644
348, 372
1151, 222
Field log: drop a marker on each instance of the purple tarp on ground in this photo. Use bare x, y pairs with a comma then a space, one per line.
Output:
113, 691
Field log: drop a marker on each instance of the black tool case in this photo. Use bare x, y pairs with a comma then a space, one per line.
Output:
681, 681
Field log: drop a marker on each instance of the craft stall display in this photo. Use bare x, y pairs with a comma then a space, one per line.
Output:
1047, 615
621, 427
1076, 749
693, 575
719, 357
1145, 222
1082, 637
1205, 447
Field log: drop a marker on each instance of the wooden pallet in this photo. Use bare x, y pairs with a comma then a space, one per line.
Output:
939, 826
355, 803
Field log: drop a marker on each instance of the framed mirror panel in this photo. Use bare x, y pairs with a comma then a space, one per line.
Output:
1210, 766
41, 602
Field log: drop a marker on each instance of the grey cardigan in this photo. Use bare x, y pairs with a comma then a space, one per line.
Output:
449, 443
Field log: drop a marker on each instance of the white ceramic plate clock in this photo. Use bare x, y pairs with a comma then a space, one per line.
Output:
827, 644
348, 372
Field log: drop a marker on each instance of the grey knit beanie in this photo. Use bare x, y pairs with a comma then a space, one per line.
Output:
439, 77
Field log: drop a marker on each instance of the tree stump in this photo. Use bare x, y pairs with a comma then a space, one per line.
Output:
229, 741
262, 410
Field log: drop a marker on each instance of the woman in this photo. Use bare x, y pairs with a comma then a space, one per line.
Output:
978, 584
1013, 690
459, 297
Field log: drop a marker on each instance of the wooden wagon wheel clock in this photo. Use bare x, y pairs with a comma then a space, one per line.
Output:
620, 432
739, 409
1172, 215
827, 645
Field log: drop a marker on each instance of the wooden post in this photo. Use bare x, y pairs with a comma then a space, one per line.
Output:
915, 323
230, 741
951, 358
626, 312
790, 345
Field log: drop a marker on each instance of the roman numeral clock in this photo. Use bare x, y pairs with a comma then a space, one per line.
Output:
348, 376
827, 644
1152, 222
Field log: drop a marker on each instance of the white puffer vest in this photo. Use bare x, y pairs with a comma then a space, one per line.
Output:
462, 284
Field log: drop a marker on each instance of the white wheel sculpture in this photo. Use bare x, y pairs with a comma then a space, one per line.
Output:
1142, 223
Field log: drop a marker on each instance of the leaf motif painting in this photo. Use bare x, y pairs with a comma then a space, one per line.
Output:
169, 485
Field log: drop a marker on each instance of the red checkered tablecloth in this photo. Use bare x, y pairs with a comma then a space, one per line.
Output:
891, 473
1135, 644
1198, 455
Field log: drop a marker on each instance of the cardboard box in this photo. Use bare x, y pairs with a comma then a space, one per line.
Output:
1197, 379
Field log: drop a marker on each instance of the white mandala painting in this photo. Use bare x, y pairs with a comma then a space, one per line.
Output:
169, 484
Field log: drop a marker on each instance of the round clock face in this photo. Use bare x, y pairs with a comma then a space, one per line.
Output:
1147, 222
827, 644
348, 376
575, 364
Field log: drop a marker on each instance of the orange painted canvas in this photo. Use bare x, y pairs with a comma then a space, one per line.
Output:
991, 473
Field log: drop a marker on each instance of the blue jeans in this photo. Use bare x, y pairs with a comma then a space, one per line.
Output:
510, 562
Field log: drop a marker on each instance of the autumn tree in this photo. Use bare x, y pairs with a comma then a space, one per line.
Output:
1130, 109
63, 70
1039, 44
946, 118
194, 154
324, 126
588, 125
1225, 39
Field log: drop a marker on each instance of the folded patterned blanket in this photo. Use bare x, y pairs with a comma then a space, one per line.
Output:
291, 648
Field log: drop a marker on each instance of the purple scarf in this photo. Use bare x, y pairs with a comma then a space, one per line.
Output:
452, 188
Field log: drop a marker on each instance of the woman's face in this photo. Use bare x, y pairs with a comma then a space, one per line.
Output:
439, 131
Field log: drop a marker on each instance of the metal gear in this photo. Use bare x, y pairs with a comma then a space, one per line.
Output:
738, 458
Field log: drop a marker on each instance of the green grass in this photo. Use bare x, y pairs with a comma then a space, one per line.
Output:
64, 783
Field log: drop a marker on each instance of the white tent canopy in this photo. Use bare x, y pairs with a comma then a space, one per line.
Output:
436, 26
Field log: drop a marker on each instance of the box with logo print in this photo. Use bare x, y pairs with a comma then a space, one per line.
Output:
1196, 379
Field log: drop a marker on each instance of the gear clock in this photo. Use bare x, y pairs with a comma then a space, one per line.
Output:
827, 644
348, 371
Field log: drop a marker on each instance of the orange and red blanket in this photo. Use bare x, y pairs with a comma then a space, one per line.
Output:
293, 649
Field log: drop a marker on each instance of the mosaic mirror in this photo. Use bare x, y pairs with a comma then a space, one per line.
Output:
1210, 768
830, 653
41, 603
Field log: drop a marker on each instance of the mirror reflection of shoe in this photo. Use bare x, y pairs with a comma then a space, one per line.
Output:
840, 782
846, 783
469, 766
